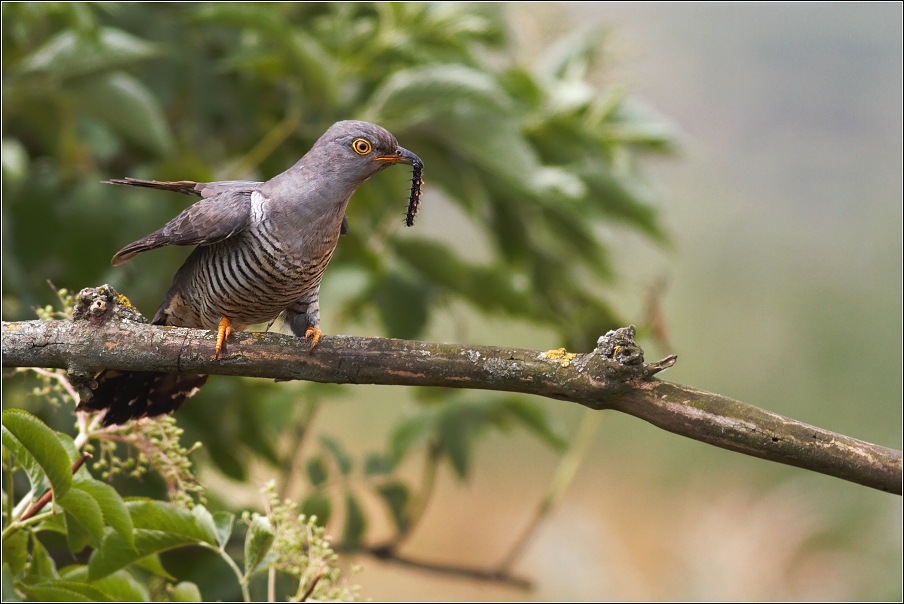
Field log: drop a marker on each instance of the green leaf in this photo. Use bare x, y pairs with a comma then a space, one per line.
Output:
489, 288
410, 433
316, 470
224, 522
396, 495
69, 54
355, 523
314, 65
74, 455
85, 509
114, 553
129, 108
458, 427
14, 160
614, 199
153, 565
570, 55
377, 464
8, 591
118, 587
65, 591
113, 508
56, 524
534, 417
77, 536
186, 591
343, 460
15, 551
42, 567
403, 305
36, 476
318, 504
434, 89
166, 517
43, 445
258, 540
206, 523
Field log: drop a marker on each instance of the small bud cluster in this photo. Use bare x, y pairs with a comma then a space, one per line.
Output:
304, 552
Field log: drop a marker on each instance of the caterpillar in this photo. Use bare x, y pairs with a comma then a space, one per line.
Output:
414, 199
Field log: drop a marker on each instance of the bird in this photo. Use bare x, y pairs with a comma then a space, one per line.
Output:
262, 249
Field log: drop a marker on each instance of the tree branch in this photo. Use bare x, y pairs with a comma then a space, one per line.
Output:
108, 333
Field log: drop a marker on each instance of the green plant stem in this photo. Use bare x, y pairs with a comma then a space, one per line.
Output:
269, 143
246, 595
310, 589
291, 465
271, 584
20, 524
24, 504
419, 505
565, 473
10, 486
46, 497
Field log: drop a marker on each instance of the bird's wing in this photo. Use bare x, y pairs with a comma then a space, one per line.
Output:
210, 220
209, 189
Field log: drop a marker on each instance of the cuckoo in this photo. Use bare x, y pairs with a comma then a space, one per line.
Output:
262, 248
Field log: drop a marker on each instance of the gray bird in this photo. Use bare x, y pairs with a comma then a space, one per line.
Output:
262, 250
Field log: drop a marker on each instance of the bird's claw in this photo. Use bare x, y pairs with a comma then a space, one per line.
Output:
224, 330
313, 333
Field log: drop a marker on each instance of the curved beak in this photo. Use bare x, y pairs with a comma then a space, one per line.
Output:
401, 156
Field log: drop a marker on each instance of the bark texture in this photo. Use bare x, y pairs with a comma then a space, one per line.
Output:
108, 333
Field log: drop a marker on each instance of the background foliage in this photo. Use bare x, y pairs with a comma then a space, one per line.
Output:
536, 158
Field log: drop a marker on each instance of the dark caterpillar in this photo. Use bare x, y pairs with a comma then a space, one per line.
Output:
414, 200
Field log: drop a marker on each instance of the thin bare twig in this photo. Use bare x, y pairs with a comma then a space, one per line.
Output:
565, 473
310, 589
46, 497
467, 572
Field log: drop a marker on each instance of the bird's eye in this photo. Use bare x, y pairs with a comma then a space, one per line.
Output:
362, 146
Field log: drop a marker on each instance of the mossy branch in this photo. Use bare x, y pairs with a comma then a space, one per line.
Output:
108, 333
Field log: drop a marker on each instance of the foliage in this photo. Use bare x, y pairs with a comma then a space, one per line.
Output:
536, 158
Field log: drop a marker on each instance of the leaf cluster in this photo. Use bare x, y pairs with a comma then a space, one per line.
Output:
126, 536
537, 160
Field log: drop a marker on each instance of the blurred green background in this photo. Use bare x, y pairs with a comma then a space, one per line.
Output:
772, 245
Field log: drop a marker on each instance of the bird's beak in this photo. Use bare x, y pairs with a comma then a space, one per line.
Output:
401, 156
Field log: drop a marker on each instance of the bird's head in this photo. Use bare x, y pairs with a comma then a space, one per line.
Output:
358, 150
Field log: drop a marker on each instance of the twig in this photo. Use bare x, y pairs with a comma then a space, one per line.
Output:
59, 377
291, 464
477, 574
46, 497
565, 473
246, 594
310, 589
419, 505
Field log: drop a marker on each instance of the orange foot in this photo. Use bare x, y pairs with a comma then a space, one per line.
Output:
223, 331
314, 333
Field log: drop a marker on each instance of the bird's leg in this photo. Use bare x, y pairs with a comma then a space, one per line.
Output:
224, 329
314, 333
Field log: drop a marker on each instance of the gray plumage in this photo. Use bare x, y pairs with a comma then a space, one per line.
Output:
262, 247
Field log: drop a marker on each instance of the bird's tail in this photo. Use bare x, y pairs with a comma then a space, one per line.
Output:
127, 395
187, 187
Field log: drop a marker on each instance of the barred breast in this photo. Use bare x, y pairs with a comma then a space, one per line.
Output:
249, 278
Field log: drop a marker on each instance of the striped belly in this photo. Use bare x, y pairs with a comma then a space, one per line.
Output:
247, 279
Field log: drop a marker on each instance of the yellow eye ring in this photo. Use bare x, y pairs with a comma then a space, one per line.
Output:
362, 146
